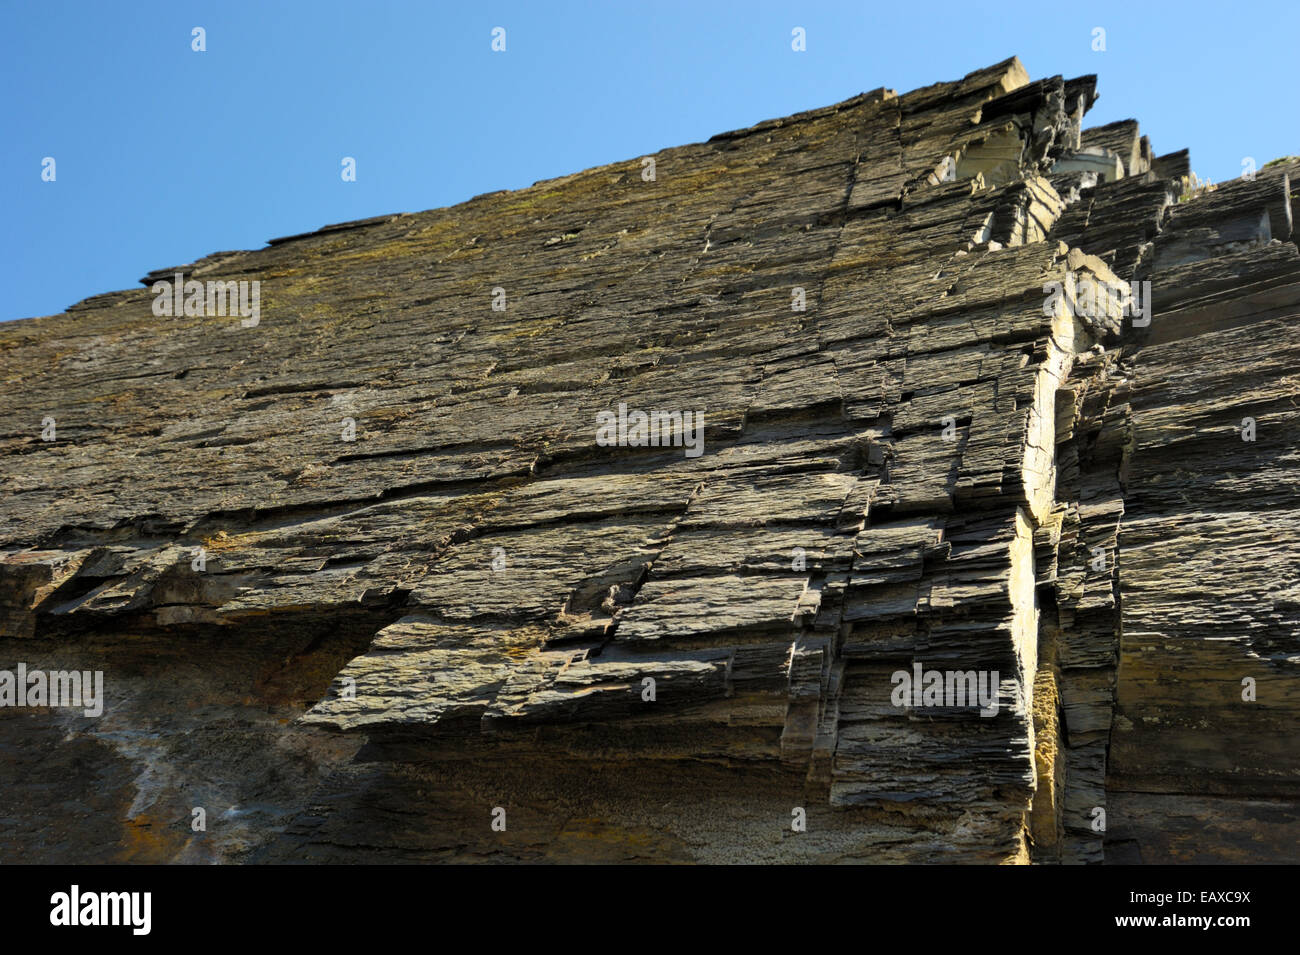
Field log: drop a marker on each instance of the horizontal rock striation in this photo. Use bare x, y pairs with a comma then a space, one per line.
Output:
394, 573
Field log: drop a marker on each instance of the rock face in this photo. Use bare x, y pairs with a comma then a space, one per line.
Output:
832, 490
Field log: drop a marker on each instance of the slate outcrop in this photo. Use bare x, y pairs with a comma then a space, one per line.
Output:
366, 583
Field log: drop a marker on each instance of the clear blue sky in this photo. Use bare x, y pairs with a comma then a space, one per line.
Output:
164, 155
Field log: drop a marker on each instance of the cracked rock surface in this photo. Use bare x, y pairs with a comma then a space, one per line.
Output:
361, 574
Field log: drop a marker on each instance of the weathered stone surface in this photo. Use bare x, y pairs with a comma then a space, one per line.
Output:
364, 572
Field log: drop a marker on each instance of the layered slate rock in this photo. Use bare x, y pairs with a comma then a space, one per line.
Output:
1183, 531
1204, 760
366, 577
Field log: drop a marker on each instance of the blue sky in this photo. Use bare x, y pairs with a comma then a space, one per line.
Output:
164, 155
